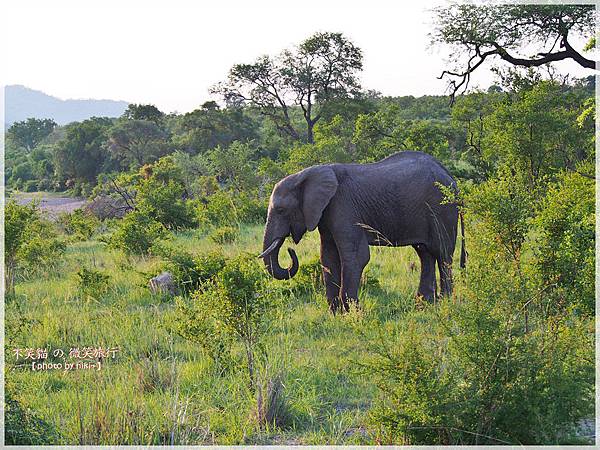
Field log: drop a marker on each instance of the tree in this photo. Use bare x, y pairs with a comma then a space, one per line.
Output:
233, 166
80, 156
136, 142
29, 133
321, 69
206, 128
143, 112
479, 33
31, 242
536, 132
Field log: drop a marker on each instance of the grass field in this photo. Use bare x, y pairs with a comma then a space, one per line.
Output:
161, 389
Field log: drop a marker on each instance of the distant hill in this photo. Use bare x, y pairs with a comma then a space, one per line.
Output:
22, 103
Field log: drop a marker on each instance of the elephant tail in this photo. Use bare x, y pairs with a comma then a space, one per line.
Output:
463, 249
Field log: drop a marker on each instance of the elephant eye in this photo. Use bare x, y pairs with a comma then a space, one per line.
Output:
279, 210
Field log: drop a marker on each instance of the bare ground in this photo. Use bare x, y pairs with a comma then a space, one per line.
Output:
51, 203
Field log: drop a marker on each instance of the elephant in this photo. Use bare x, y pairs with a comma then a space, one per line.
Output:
393, 202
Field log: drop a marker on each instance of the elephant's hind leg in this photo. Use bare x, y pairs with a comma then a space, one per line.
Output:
427, 284
445, 268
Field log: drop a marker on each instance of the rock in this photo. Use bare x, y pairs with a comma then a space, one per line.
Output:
162, 283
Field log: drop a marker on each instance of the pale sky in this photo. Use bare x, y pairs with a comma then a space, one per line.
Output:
170, 52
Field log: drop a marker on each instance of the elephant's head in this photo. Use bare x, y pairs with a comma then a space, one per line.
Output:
296, 205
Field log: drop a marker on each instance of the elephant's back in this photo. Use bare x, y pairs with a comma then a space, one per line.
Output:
398, 196
414, 163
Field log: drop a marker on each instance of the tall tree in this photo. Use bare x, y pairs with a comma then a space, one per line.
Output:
80, 156
29, 133
321, 69
208, 127
136, 142
143, 112
522, 35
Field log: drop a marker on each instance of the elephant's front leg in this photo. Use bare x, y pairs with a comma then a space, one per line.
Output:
330, 260
354, 256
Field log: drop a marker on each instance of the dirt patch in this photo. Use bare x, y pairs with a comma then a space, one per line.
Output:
52, 204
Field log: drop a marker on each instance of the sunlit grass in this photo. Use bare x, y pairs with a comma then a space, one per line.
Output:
161, 389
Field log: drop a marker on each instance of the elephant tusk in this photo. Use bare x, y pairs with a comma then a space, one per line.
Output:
271, 247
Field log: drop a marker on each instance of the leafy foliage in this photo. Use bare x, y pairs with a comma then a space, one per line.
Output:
92, 283
79, 224
31, 243
29, 133
189, 272
137, 232
224, 235
233, 307
80, 156
137, 142
459, 377
566, 254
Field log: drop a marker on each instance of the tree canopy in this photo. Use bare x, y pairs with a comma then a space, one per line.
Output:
143, 112
29, 133
322, 68
522, 35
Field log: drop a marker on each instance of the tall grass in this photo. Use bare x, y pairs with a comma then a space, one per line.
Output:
161, 389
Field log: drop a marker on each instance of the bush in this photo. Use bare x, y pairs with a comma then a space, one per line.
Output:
566, 244
233, 307
137, 232
499, 364
24, 427
251, 210
30, 186
469, 375
504, 205
31, 243
224, 235
161, 188
309, 280
92, 283
189, 272
225, 207
79, 224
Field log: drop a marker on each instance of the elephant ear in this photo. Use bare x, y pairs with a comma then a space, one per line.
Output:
319, 185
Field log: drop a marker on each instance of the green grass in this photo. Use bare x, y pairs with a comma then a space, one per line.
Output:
161, 389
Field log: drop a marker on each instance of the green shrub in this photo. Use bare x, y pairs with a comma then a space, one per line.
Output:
22, 426
251, 210
30, 186
504, 205
566, 244
309, 279
498, 364
220, 209
469, 375
161, 188
234, 307
31, 243
92, 283
224, 235
226, 207
189, 272
79, 224
137, 232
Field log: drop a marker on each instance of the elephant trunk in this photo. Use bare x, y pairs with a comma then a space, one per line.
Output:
270, 256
